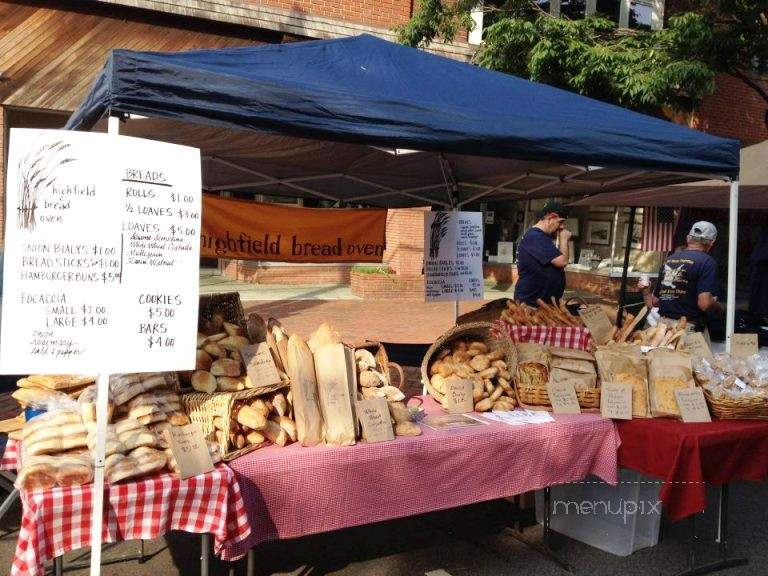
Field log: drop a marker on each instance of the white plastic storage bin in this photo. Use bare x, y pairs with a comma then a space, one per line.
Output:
616, 519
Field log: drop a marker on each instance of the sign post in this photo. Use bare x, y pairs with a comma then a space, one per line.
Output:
101, 263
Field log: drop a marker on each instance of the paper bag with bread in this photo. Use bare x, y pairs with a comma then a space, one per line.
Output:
668, 370
625, 364
532, 365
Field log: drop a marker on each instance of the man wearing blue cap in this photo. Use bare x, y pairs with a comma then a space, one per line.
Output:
687, 284
540, 263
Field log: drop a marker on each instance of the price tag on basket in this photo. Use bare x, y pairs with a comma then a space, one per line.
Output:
562, 396
189, 449
598, 323
743, 345
616, 400
693, 406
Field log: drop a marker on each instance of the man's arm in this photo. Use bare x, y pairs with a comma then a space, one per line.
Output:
707, 286
562, 241
708, 303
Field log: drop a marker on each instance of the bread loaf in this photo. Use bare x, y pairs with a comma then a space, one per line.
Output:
204, 382
254, 419
226, 367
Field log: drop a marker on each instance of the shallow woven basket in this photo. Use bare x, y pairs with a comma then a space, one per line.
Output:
383, 364
731, 409
537, 398
227, 304
203, 408
480, 331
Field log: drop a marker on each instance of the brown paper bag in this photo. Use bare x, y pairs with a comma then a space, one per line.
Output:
579, 380
334, 383
532, 352
625, 364
667, 371
573, 365
306, 404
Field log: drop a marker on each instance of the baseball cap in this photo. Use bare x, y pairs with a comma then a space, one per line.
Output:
553, 209
703, 230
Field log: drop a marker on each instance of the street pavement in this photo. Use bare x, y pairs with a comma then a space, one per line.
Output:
469, 541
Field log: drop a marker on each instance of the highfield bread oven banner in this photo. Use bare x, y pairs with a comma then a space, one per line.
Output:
245, 230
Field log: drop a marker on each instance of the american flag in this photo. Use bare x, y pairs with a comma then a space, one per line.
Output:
658, 228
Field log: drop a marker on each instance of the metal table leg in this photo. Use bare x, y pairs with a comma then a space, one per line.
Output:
8, 502
542, 547
721, 538
250, 565
205, 554
58, 566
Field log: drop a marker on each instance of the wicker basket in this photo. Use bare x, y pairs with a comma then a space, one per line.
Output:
203, 408
383, 363
227, 304
480, 331
537, 398
488, 312
742, 409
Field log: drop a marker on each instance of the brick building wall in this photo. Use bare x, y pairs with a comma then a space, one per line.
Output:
734, 111
379, 13
257, 273
405, 241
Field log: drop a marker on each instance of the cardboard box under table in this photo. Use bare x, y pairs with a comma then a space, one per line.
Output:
366, 483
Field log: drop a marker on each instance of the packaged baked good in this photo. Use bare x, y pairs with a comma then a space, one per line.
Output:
625, 364
87, 403
579, 380
533, 374
58, 430
668, 370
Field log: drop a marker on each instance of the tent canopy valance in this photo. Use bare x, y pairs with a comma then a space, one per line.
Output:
364, 120
753, 189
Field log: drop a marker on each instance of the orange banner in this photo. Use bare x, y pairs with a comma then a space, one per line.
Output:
245, 230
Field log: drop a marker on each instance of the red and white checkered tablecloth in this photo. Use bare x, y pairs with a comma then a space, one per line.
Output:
577, 338
57, 521
10, 458
296, 491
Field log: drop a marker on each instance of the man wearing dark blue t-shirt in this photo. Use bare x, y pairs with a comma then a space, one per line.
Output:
687, 284
540, 264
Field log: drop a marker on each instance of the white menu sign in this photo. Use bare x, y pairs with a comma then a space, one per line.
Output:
453, 256
101, 254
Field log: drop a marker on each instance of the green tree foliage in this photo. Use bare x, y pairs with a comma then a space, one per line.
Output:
645, 70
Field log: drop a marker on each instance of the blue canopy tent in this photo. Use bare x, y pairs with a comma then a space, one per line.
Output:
362, 120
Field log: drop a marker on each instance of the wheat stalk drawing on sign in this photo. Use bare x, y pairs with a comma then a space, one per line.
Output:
37, 173
437, 232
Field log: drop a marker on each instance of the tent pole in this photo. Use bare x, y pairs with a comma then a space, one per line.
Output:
733, 236
627, 248
99, 455
455, 210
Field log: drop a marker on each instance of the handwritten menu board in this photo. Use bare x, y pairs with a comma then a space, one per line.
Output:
101, 254
453, 256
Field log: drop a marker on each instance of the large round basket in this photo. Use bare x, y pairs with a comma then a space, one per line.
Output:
537, 398
724, 408
480, 331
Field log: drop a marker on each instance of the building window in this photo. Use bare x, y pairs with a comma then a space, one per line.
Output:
641, 15
637, 14
573, 9
609, 8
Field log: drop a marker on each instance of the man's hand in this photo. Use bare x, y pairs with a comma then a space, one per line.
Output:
564, 235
